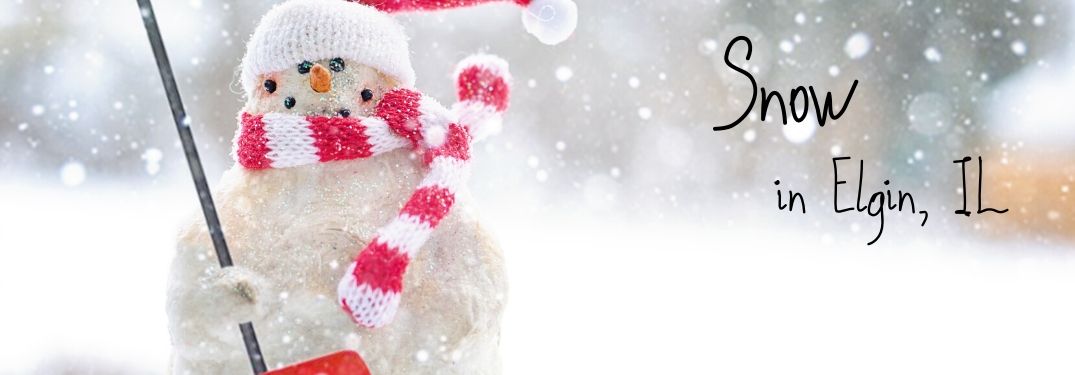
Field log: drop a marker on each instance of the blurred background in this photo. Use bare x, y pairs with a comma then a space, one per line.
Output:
685, 264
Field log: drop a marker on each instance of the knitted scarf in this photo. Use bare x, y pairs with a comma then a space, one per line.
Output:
370, 289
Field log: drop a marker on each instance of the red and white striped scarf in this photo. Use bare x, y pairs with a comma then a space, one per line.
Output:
370, 289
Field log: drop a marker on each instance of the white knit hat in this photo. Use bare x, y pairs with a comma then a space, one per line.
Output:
308, 30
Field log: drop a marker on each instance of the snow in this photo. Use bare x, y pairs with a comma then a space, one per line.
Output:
932, 55
96, 258
645, 113
800, 132
707, 46
1032, 104
746, 295
929, 113
599, 192
564, 73
857, 46
152, 158
786, 46
674, 147
641, 297
750, 135
72, 174
1019, 48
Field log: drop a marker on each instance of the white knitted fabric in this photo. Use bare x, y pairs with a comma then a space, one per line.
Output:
290, 139
301, 30
370, 307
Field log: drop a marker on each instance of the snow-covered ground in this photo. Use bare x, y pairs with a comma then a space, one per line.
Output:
84, 274
84, 269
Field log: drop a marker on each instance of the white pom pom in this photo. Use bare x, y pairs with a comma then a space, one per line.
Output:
551, 21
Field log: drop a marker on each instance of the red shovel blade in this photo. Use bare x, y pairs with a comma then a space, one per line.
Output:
346, 362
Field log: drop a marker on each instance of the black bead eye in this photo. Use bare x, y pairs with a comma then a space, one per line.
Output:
367, 95
345, 112
270, 86
305, 67
289, 102
336, 64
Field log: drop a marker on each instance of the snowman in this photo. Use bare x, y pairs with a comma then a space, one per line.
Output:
346, 211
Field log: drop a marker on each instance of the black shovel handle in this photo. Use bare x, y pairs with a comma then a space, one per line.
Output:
182, 124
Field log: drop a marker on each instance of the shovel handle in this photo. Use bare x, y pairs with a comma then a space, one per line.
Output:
182, 124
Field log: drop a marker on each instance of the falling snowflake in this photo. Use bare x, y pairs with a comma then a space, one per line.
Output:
857, 46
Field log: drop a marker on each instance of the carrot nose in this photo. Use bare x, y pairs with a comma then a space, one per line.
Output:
320, 78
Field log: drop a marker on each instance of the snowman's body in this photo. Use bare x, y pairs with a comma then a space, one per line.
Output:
292, 232
321, 78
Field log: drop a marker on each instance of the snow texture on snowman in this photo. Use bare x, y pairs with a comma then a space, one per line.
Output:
346, 211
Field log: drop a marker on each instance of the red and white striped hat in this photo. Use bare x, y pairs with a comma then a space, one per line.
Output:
551, 21
307, 30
